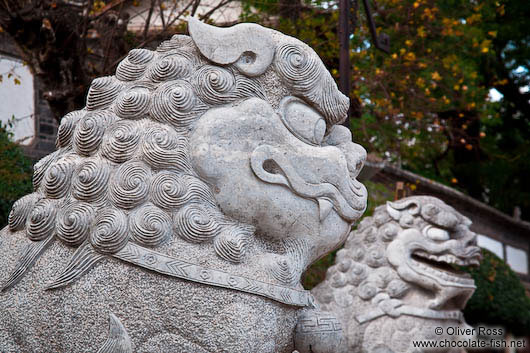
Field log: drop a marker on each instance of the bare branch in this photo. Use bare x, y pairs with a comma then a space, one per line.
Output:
207, 15
195, 7
148, 20
161, 8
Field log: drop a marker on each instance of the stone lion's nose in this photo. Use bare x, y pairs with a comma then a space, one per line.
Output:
318, 173
340, 137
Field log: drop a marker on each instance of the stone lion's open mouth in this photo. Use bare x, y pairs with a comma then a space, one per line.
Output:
442, 266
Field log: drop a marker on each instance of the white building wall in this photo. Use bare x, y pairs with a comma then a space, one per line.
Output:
18, 101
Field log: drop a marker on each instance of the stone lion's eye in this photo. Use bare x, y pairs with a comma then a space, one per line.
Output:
436, 233
303, 121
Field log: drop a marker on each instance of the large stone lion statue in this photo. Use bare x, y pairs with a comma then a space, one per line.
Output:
184, 202
398, 280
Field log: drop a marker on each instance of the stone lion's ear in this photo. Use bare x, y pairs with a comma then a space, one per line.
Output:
248, 46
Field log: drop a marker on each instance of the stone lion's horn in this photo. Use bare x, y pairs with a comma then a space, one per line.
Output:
394, 209
248, 46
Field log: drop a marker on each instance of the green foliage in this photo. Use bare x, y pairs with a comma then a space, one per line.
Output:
15, 174
500, 297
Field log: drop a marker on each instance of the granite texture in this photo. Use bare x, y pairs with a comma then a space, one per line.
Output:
214, 161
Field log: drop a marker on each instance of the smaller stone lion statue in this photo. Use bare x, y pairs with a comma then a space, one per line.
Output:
395, 280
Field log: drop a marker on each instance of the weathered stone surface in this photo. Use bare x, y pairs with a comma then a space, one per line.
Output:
186, 198
393, 282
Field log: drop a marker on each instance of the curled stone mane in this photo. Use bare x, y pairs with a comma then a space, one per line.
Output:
121, 172
361, 267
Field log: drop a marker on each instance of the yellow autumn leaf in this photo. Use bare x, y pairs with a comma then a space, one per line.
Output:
408, 43
410, 56
436, 76
17, 81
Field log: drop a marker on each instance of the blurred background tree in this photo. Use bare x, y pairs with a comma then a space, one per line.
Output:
15, 174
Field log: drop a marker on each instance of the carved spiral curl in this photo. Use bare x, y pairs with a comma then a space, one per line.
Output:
40, 168
59, 176
357, 273
214, 84
169, 68
178, 41
67, 128
194, 224
74, 223
121, 141
303, 72
90, 181
140, 56
232, 243
175, 102
41, 221
163, 148
339, 280
375, 256
20, 211
130, 185
110, 232
133, 66
367, 290
282, 270
170, 190
90, 131
150, 226
389, 231
133, 103
102, 92
297, 66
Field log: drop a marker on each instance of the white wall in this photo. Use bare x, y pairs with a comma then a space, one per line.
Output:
17, 99
490, 244
517, 259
